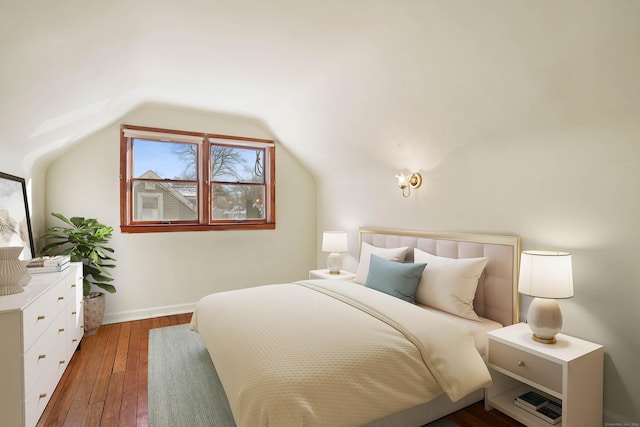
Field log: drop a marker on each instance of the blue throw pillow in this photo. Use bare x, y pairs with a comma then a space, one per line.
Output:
394, 278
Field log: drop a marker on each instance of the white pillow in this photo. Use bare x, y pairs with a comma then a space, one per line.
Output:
449, 284
391, 254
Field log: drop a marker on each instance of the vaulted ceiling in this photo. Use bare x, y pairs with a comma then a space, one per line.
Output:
388, 80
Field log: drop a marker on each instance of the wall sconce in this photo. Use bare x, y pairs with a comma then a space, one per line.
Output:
406, 183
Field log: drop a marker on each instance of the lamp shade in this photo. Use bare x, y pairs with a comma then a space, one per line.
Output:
546, 274
334, 241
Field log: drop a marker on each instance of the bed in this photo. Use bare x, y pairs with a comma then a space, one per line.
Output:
392, 348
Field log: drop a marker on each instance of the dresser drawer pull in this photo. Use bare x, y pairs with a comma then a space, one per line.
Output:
43, 395
61, 362
60, 298
42, 356
61, 330
40, 317
74, 312
74, 340
521, 363
73, 285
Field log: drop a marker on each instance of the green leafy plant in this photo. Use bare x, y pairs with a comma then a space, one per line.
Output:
84, 241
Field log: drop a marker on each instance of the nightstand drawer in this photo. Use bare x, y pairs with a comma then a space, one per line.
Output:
537, 369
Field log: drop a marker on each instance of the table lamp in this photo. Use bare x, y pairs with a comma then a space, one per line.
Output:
546, 276
334, 242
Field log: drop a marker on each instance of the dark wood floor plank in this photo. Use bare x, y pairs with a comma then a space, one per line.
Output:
143, 380
111, 338
105, 384
93, 415
476, 416
113, 400
120, 363
129, 410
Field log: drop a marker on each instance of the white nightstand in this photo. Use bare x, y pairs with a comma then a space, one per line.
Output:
324, 274
569, 371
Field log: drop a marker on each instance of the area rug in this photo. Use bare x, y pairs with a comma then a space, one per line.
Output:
184, 388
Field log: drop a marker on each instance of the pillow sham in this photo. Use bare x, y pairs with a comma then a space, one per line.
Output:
449, 284
366, 250
394, 278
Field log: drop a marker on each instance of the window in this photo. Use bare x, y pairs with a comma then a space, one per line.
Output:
180, 181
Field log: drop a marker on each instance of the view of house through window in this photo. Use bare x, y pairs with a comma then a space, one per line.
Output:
237, 183
164, 181
176, 180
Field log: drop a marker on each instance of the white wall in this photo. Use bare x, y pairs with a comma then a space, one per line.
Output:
160, 273
574, 189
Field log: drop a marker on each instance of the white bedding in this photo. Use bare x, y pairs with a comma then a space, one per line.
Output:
324, 352
478, 329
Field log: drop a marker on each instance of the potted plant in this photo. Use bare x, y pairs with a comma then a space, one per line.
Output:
84, 241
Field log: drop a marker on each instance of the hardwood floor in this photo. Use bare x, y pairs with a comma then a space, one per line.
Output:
105, 383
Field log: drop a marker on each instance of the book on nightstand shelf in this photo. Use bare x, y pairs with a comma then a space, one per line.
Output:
532, 400
546, 409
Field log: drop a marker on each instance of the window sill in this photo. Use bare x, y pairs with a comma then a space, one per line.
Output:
163, 228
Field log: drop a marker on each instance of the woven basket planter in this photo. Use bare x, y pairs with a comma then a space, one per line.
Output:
93, 312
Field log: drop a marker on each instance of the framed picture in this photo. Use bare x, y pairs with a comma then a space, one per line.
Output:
15, 224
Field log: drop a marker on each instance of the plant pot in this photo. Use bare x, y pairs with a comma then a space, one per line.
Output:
93, 312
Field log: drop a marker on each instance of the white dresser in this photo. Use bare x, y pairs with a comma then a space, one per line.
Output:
40, 329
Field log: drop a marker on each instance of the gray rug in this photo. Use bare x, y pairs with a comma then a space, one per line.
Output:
184, 388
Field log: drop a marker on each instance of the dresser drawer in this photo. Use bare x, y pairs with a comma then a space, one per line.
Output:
45, 354
39, 315
75, 328
71, 286
526, 365
38, 398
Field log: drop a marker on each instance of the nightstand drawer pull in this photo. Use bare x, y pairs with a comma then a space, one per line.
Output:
520, 363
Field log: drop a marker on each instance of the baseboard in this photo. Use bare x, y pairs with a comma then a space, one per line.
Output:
614, 419
128, 316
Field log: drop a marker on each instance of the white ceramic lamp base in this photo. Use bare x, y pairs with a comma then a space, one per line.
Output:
544, 319
334, 263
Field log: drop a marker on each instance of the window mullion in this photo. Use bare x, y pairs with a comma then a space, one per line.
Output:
205, 178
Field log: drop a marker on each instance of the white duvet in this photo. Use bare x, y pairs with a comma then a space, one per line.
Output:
322, 352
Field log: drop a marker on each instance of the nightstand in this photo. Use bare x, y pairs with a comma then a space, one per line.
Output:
324, 274
569, 372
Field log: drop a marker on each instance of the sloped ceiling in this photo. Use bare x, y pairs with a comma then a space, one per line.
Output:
388, 80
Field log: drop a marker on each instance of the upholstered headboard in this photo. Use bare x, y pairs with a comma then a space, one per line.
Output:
497, 294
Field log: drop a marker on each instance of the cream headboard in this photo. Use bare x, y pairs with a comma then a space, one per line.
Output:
497, 294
